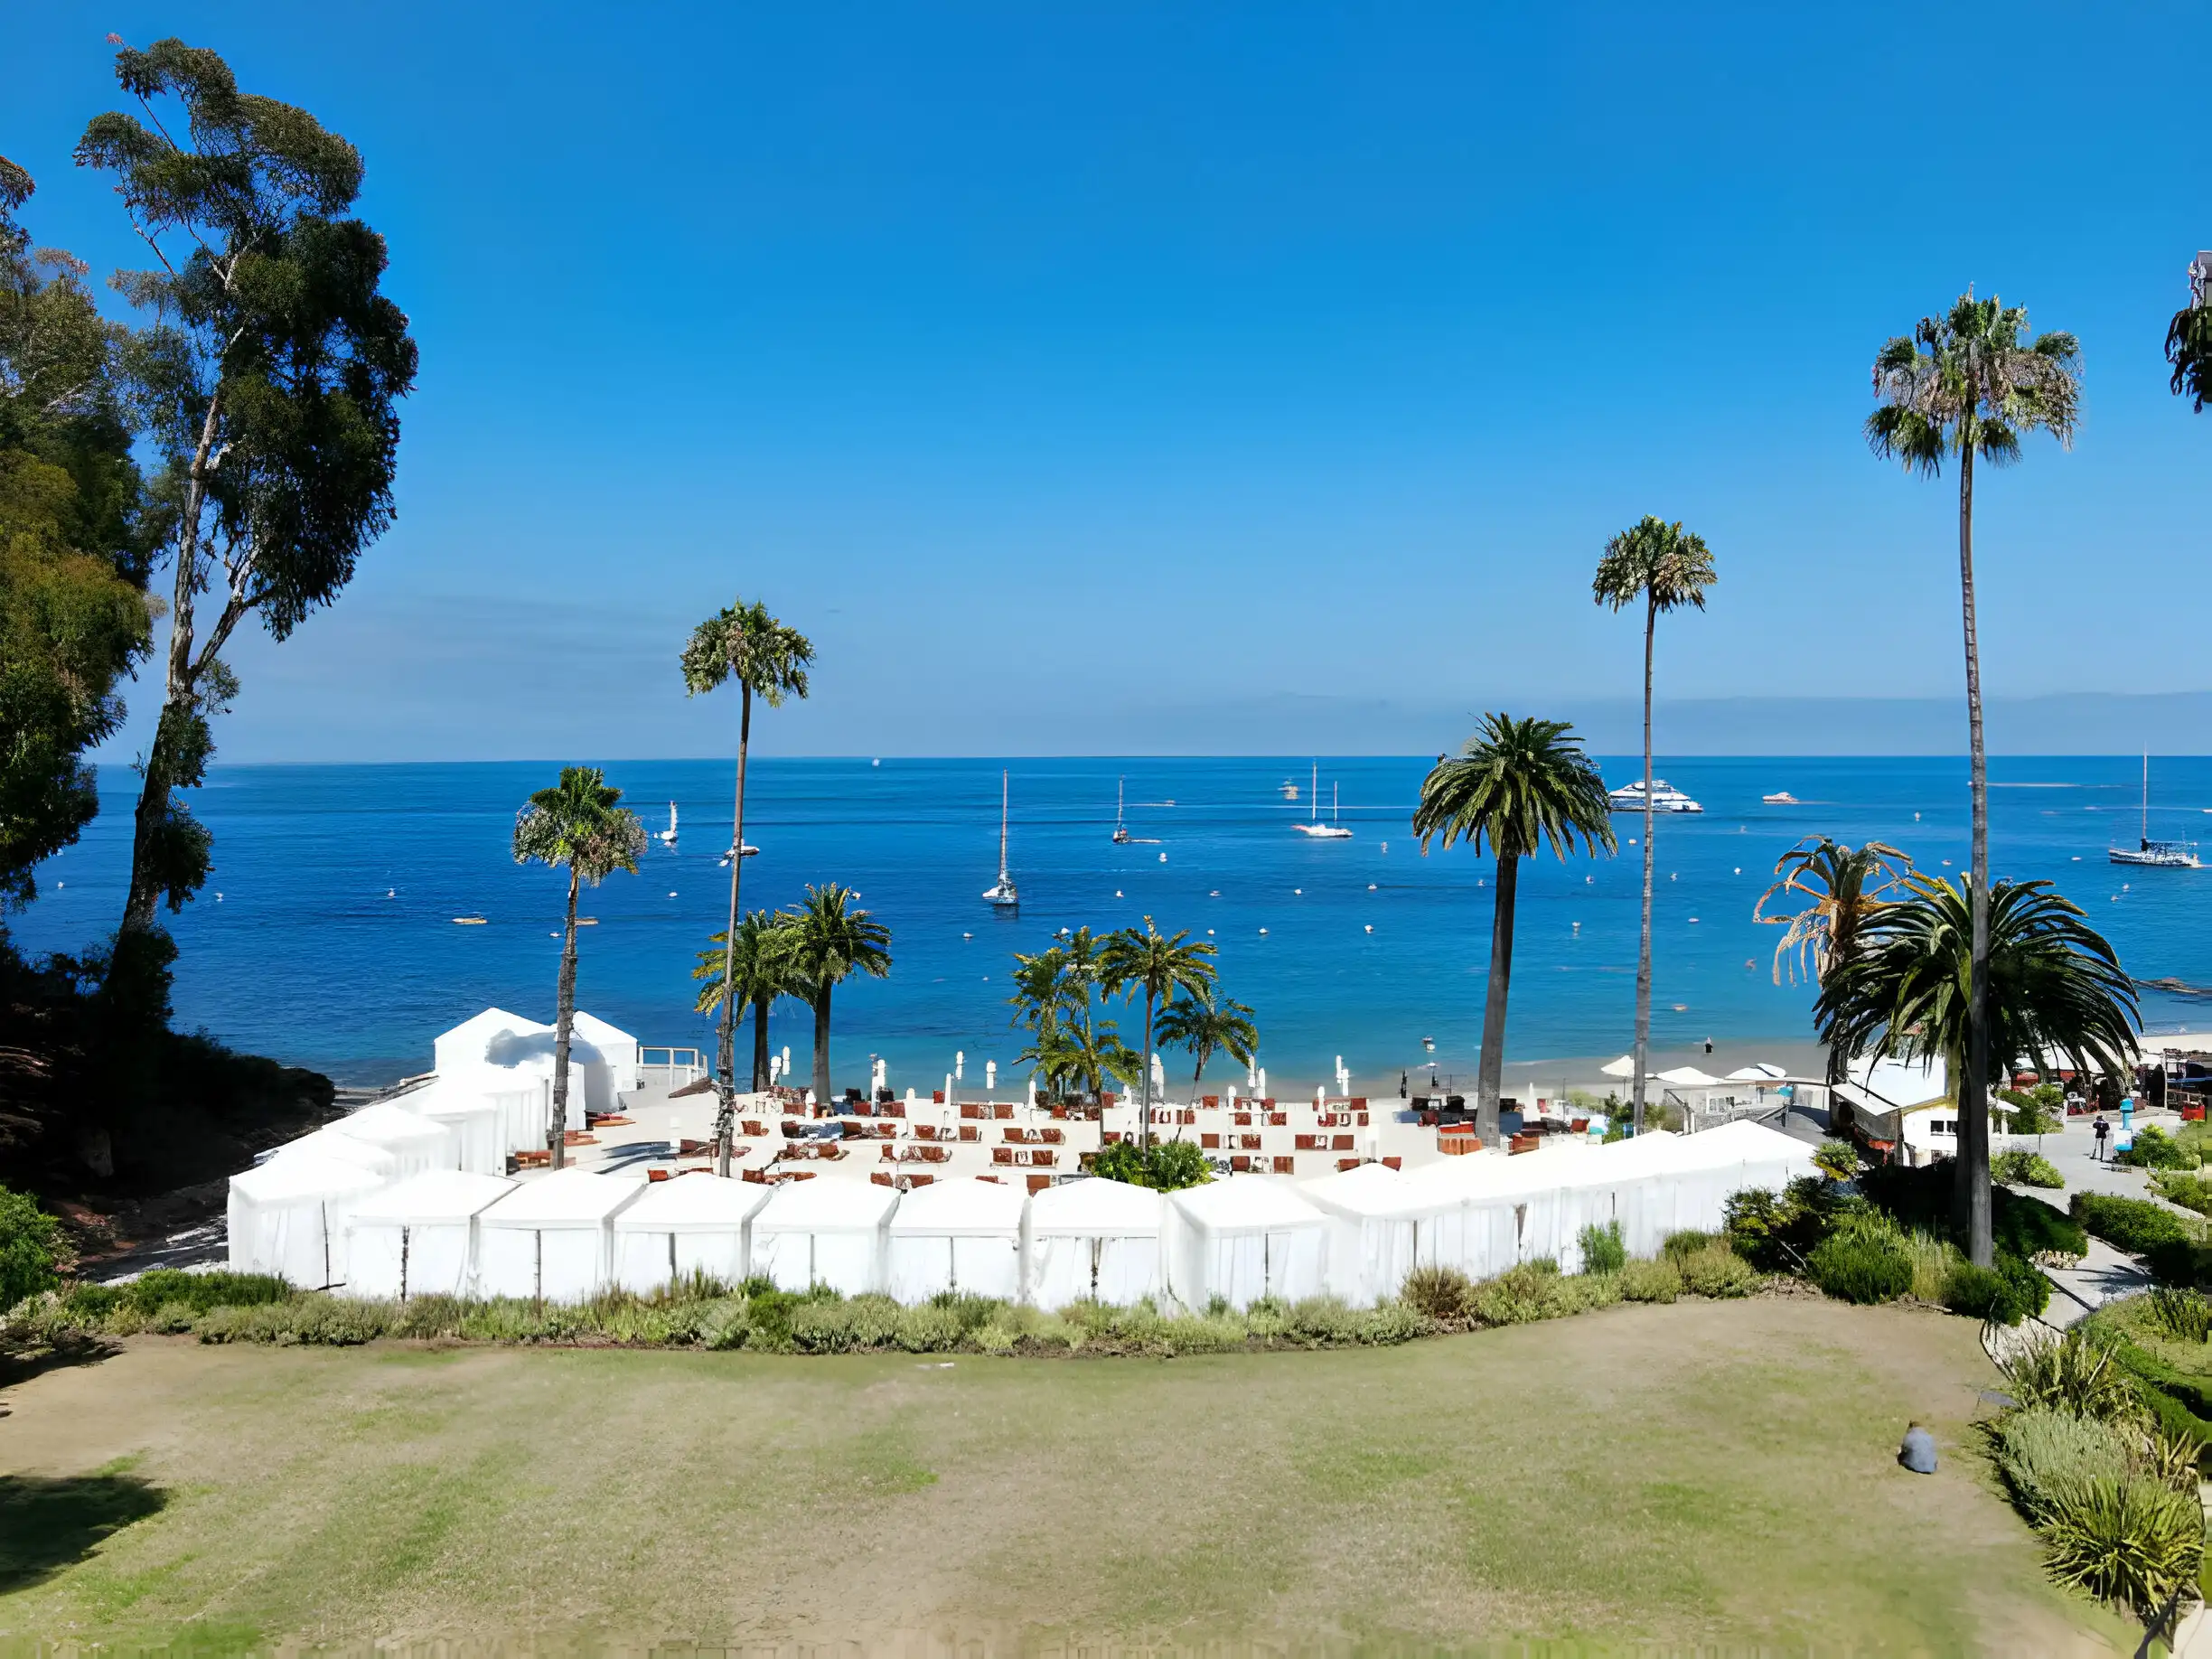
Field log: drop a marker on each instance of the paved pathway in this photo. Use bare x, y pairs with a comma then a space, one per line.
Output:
2103, 1275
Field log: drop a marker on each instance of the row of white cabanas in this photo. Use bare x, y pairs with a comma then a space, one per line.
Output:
1356, 1234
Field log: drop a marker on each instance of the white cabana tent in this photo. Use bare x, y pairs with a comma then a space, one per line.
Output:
416, 1142
962, 1234
1623, 1067
1370, 1243
333, 1143
509, 1060
493, 1039
1092, 1240
470, 1119
828, 1231
1694, 1176
418, 1237
1688, 1077
1242, 1239
1758, 1071
553, 1239
288, 1217
612, 1070
694, 1223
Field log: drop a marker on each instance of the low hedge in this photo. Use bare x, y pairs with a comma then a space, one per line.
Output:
1858, 1269
2133, 1225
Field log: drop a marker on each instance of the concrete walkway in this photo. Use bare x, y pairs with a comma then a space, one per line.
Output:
2104, 1275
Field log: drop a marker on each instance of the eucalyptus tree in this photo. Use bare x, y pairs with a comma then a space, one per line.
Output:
2189, 338
581, 826
759, 968
1517, 786
1144, 961
830, 940
270, 380
1843, 887
1964, 384
1206, 1026
741, 642
1665, 567
2046, 984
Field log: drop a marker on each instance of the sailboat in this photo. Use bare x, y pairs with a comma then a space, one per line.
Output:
1313, 827
1120, 834
2157, 855
666, 837
1001, 895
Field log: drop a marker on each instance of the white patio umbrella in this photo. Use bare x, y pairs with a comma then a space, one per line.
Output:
1623, 1067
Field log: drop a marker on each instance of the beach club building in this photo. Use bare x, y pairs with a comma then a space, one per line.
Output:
1905, 1111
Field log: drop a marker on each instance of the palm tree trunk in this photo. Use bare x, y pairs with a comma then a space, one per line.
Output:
760, 1044
725, 1043
821, 1045
556, 1129
1144, 1066
1644, 947
1488, 1076
1972, 1201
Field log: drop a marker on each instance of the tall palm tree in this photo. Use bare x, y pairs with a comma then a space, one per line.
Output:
1144, 961
1206, 1027
581, 826
2189, 338
762, 968
741, 642
1963, 384
2050, 984
1846, 887
1054, 1001
1666, 568
1517, 786
831, 941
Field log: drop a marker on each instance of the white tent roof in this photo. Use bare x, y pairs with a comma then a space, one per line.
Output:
1623, 1067
1365, 1189
601, 1035
386, 1125
304, 1176
566, 1198
1758, 1072
1244, 1203
493, 1037
825, 1205
1095, 1207
1743, 1140
433, 1195
696, 1202
333, 1143
1901, 1082
960, 1207
1688, 1077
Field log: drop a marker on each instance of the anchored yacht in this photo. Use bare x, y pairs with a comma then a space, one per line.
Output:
1665, 798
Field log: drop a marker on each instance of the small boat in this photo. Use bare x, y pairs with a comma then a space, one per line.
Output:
750, 851
1002, 895
1289, 790
1120, 834
1781, 797
2155, 855
468, 922
1665, 798
1313, 827
666, 837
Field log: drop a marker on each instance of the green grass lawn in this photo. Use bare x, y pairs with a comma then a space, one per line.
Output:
1707, 1473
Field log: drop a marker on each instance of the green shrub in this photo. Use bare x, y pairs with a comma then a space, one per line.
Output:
2133, 1225
29, 1240
821, 1326
1716, 1271
157, 1289
1439, 1292
1933, 1261
2153, 1149
1685, 1244
2127, 1539
2187, 1188
1649, 1282
929, 1329
1836, 1159
2077, 1371
2040, 1450
318, 1320
1602, 1250
2005, 1294
1518, 1296
1167, 1167
1861, 1268
2184, 1316
2029, 1228
2017, 1166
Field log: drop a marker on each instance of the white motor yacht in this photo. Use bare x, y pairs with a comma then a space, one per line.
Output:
1665, 798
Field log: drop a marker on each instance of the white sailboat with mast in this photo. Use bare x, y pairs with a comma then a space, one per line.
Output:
1120, 834
666, 837
2155, 855
1002, 896
1313, 827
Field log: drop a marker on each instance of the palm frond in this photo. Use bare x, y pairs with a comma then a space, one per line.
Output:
1515, 786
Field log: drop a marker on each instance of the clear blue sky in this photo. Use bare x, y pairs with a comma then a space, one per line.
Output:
1077, 377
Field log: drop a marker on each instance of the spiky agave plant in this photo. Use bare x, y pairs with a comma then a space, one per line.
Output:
2125, 1539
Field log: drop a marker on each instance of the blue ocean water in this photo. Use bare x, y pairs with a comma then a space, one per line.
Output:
325, 936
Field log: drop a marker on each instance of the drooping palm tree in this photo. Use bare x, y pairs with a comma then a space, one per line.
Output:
741, 642
1053, 1000
1517, 786
831, 941
1205, 1027
1964, 384
762, 974
2053, 987
1143, 961
1845, 885
2189, 338
1665, 567
581, 826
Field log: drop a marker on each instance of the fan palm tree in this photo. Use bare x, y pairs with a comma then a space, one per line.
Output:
2053, 987
1846, 885
741, 642
1204, 1027
762, 974
1515, 787
581, 826
2189, 338
1665, 568
1143, 961
831, 941
1964, 384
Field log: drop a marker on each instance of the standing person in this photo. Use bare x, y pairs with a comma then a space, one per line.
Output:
2104, 1132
